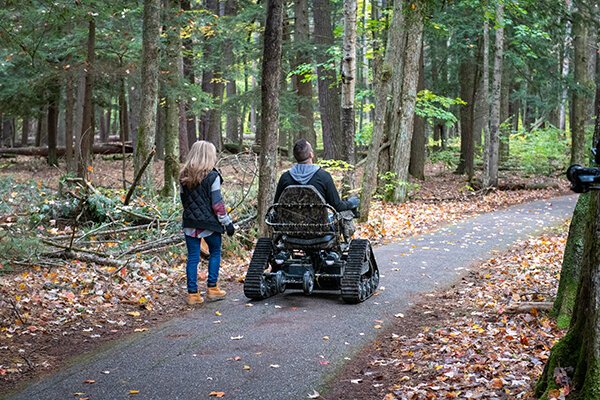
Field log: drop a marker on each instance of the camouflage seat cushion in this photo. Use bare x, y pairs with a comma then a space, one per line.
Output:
302, 211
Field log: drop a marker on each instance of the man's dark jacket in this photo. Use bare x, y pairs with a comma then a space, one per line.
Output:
323, 182
197, 205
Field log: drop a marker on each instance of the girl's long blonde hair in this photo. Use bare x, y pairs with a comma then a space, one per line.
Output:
200, 160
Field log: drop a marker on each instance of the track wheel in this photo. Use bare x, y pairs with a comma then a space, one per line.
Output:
361, 277
256, 287
308, 282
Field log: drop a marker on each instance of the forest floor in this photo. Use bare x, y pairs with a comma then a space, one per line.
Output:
50, 313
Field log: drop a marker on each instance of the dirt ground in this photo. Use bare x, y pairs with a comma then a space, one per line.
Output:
39, 335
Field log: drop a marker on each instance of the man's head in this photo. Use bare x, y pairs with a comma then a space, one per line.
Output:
303, 152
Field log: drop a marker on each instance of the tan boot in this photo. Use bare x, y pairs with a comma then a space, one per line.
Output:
194, 299
214, 293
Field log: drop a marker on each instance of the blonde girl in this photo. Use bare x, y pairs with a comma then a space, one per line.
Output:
204, 217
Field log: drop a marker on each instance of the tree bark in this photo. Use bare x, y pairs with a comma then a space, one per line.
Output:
570, 272
232, 115
567, 43
401, 126
84, 163
304, 99
123, 113
69, 119
53, 125
581, 92
504, 144
190, 77
329, 96
416, 167
173, 56
467, 76
348, 68
481, 109
269, 127
382, 74
149, 89
579, 350
25, 130
490, 176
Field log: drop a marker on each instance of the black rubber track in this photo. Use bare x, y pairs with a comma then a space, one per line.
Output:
254, 277
359, 253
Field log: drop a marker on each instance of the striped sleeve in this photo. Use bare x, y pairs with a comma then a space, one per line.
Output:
218, 205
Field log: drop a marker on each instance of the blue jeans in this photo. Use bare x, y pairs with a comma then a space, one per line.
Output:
214, 260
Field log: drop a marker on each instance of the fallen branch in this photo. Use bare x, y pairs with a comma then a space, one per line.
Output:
522, 308
75, 249
104, 148
80, 256
154, 245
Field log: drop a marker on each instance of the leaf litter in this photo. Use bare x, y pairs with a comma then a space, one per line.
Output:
468, 346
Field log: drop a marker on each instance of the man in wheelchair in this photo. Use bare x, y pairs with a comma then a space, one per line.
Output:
304, 172
310, 245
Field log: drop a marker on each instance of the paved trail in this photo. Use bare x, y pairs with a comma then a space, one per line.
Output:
283, 340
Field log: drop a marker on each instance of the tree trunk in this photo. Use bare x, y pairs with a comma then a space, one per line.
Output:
490, 177
467, 76
232, 117
581, 91
41, 127
481, 109
84, 163
69, 119
159, 133
401, 127
149, 94
269, 127
597, 104
25, 130
190, 77
416, 167
348, 68
123, 113
304, 99
53, 125
571, 266
578, 352
173, 53
329, 96
183, 144
567, 44
504, 145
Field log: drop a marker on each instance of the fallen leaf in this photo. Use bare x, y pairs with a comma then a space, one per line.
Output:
217, 394
134, 392
89, 381
218, 313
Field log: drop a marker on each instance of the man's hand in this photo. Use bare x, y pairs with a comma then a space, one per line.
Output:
354, 201
230, 229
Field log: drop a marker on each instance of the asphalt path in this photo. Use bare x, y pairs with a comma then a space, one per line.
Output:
290, 345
